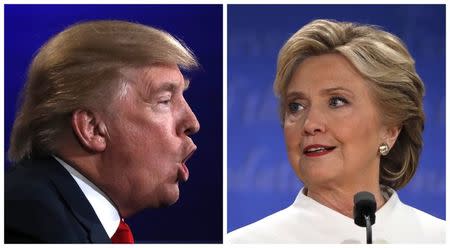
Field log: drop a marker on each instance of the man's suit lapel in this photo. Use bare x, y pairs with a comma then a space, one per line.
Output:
77, 202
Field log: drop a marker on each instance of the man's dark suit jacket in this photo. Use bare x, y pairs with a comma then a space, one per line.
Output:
44, 204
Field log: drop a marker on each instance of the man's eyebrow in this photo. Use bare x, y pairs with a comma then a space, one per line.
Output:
170, 86
167, 86
186, 84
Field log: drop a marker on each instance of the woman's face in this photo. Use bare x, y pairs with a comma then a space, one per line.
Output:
332, 126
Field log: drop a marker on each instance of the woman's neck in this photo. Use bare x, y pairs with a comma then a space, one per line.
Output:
341, 199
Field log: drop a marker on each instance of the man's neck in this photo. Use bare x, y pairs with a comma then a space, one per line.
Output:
100, 202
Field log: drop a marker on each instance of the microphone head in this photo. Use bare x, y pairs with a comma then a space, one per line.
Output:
365, 204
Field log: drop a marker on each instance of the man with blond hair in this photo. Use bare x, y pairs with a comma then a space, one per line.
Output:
101, 134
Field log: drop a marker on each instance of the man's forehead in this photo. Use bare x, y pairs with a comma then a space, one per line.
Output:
158, 77
161, 72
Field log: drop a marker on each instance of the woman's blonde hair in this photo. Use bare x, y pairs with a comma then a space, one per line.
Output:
383, 59
81, 68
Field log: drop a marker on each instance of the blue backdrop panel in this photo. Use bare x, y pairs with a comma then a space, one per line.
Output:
197, 216
260, 180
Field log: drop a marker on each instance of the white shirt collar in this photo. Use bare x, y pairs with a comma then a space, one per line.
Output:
102, 205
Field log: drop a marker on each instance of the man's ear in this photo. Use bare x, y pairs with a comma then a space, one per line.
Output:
90, 130
391, 134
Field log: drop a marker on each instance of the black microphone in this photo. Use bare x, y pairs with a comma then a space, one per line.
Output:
364, 212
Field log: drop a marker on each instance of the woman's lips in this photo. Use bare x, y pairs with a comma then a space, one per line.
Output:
317, 150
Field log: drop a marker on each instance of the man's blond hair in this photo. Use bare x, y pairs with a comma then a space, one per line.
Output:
81, 68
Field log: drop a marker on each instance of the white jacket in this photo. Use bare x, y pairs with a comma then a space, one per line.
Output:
307, 221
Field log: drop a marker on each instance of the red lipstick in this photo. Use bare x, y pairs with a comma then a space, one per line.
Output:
317, 150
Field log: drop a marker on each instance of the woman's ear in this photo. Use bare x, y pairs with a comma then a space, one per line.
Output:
390, 135
90, 130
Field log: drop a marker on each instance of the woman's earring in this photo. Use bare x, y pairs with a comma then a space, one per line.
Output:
384, 149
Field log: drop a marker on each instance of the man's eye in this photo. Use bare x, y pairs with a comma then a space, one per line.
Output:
336, 102
165, 101
294, 107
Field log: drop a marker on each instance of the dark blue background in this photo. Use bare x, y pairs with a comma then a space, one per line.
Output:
260, 180
197, 216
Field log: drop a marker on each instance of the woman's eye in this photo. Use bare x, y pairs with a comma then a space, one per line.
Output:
337, 102
294, 107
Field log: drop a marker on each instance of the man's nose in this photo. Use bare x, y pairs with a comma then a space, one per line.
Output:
189, 123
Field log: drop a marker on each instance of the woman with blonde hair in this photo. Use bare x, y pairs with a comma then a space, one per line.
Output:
352, 114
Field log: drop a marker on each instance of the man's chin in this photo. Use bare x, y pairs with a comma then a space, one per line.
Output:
169, 198
168, 203
156, 199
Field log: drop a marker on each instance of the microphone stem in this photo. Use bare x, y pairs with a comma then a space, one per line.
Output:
368, 229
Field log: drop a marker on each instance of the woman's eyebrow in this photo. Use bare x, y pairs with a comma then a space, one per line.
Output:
328, 91
295, 94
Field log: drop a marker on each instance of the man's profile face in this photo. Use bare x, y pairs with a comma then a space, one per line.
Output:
148, 142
